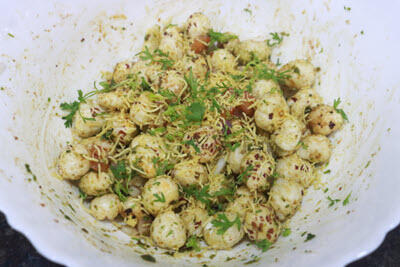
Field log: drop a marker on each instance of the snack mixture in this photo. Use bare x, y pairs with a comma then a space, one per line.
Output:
202, 137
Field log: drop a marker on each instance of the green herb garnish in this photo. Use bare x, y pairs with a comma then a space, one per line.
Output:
332, 201
347, 199
148, 257
222, 223
277, 38
217, 38
195, 112
336, 103
193, 243
309, 237
243, 176
192, 144
263, 244
159, 198
286, 232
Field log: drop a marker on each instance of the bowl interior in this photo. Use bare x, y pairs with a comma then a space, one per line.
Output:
51, 51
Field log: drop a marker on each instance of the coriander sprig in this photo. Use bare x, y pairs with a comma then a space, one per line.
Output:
157, 56
193, 243
222, 223
336, 103
73, 107
159, 197
217, 38
264, 244
243, 176
277, 38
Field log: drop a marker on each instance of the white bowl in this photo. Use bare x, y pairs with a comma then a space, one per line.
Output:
57, 47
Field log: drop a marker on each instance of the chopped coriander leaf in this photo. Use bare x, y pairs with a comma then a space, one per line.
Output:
332, 201
243, 176
121, 190
222, 223
28, 168
309, 237
367, 165
145, 55
336, 103
248, 11
145, 85
193, 243
192, 83
172, 113
225, 192
201, 195
162, 166
82, 195
304, 146
119, 170
158, 56
170, 233
11, 35
326, 190
215, 105
148, 257
274, 175
238, 77
170, 25
219, 38
193, 144
106, 85
263, 244
73, 107
107, 134
347, 8
159, 198
347, 199
263, 72
195, 112
234, 134
234, 146
155, 131
167, 94
277, 38
327, 171
286, 232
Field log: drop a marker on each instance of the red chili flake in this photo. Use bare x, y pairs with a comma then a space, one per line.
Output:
127, 66
270, 116
296, 167
294, 99
331, 125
